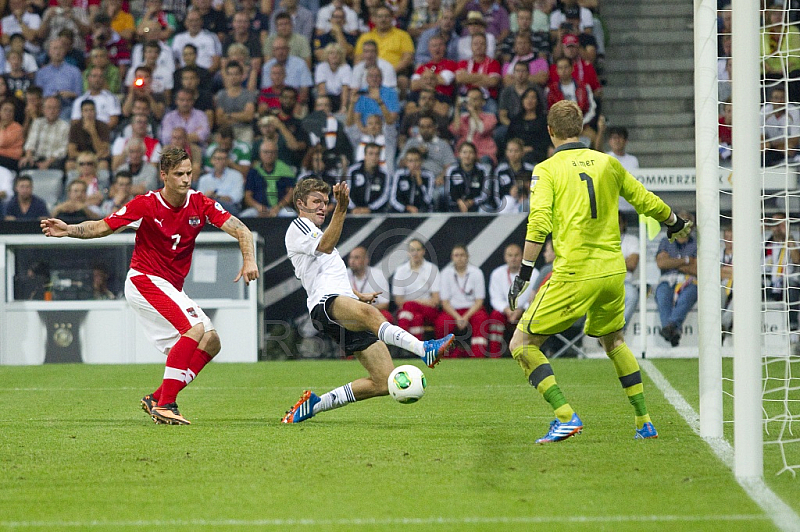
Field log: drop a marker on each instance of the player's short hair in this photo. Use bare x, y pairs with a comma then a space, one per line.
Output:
172, 157
306, 187
565, 119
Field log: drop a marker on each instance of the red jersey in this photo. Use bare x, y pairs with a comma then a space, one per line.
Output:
165, 235
445, 68
582, 71
488, 66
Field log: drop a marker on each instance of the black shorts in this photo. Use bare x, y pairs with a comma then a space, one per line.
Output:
350, 341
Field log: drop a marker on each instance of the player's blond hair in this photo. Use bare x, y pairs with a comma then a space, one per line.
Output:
172, 157
565, 119
306, 187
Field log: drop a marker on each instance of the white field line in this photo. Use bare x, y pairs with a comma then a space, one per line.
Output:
389, 521
781, 514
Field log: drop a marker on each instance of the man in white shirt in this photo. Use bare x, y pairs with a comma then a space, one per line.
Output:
415, 288
209, 48
323, 23
780, 132
618, 142
105, 102
502, 319
344, 315
365, 278
20, 20
463, 293
369, 58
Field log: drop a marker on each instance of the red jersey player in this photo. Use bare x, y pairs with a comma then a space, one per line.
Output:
167, 223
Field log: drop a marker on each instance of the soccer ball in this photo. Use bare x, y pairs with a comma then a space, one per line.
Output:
407, 384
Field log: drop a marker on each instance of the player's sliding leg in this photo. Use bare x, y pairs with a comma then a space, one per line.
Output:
378, 363
354, 315
175, 375
631, 379
525, 350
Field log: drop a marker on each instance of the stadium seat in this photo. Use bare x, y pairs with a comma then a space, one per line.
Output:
47, 184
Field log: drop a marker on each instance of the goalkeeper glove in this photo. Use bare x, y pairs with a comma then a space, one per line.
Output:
520, 284
680, 229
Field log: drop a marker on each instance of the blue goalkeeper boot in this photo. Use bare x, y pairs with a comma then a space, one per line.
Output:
435, 349
302, 409
561, 430
647, 432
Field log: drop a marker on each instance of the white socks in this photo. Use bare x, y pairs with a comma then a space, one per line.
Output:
394, 335
335, 399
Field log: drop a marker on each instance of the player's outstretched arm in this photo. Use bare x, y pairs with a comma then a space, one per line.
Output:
85, 230
234, 227
334, 231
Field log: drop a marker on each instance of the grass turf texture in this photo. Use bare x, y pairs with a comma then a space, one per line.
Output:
76, 452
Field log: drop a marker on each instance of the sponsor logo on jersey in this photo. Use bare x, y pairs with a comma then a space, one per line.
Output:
194, 221
121, 211
534, 179
159, 222
191, 312
218, 206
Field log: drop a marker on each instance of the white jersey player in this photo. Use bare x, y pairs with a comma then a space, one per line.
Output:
342, 313
167, 223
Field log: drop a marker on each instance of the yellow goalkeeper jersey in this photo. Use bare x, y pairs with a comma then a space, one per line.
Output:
575, 195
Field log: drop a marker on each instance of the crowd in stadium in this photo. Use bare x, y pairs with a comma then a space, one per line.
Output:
422, 105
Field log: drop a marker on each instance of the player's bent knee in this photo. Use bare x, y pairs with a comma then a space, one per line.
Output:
196, 332
211, 343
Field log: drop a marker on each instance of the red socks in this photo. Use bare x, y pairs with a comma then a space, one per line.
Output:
198, 361
175, 373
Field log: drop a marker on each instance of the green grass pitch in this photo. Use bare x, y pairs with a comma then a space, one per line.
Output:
77, 453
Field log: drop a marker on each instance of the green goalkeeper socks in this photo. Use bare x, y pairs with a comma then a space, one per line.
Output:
539, 373
631, 380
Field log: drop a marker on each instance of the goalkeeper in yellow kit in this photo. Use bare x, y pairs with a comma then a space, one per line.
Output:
574, 196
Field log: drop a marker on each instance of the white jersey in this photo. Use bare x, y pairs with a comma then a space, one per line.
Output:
500, 282
321, 274
630, 246
373, 281
418, 284
462, 290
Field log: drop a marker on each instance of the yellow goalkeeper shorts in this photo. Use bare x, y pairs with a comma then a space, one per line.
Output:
559, 304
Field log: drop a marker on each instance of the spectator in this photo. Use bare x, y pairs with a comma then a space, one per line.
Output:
301, 18
466, 183
522, 22
394, 45
21, 21
46, 144
96, 186
12, 137
314, 167
476, 127
436, 153
156, 23
235, 106
369, 59
102, 35
209, 48
157, 56
494, 15
781, 255
106, 104
426, 105
476, 25
134, 161
481, 72
143, 87
112, 76
259, 22
269, 97
375, 132
222, 183
366, 279
369, 184
204, 98
59, 78
299, 44
213, 20
415, 289
507, 173
122, 22
7, 95
88, 135
725, 131
570, 11
189, 55
326, 131
424, 16
567, 88
538, 69
510, 102
676, 292
180, 139
629, 243
778, 39
582, 70
119, 194
239, 153
618, 142
242, 35
238, 53
463, 291
336, 35
333, 77
74, 54
726, 280
324, 22
24, 205
75, 208
412, 186
16, 79
376, 100
33, 107
269, 186
780, 133
438, 74
185, 115
292, 138
531, 126
502, 319
17, 43
298, 76
445, 27
100, 290
64, 16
